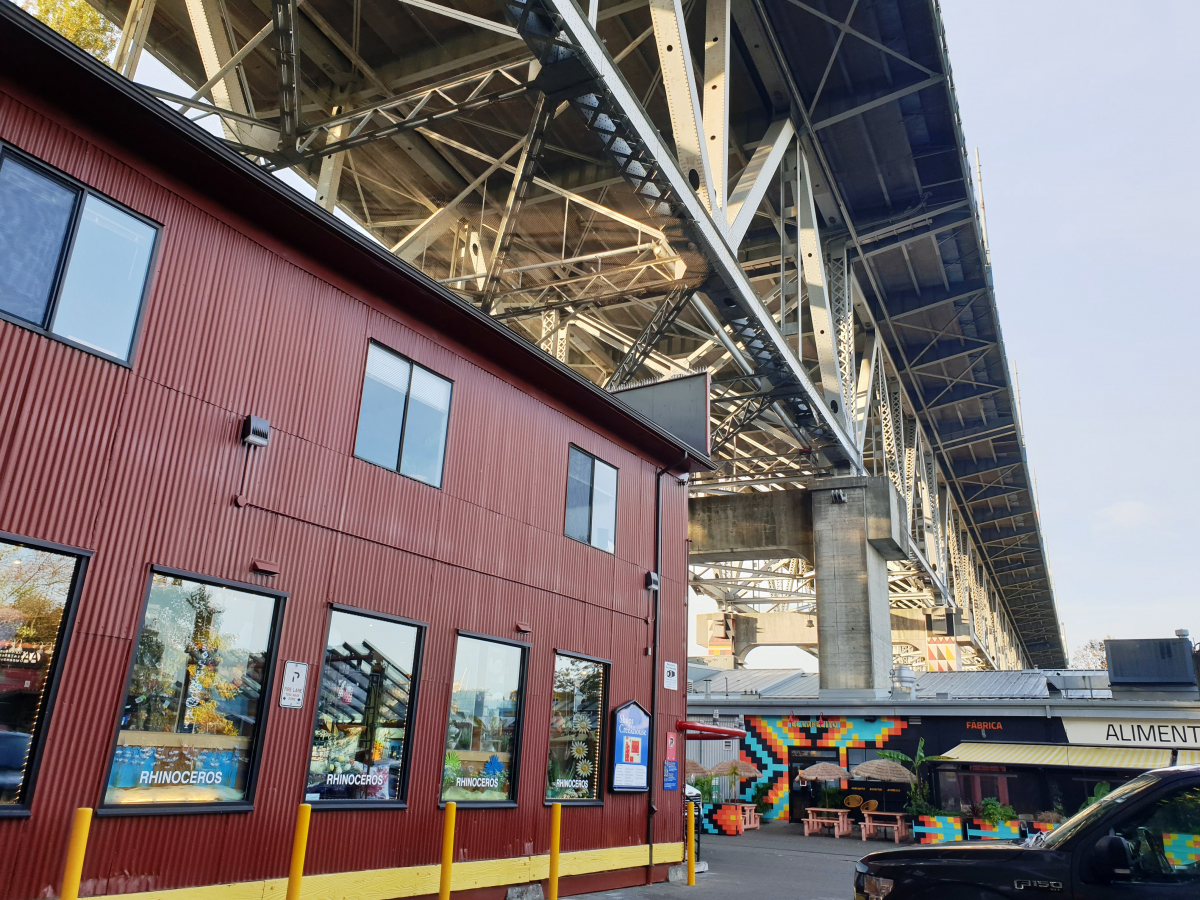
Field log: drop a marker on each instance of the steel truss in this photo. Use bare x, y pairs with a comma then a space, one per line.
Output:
584, 181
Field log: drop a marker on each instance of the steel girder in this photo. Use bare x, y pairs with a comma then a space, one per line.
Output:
859, 327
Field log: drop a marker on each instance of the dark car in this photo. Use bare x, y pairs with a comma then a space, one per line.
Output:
1142, 840
14, 747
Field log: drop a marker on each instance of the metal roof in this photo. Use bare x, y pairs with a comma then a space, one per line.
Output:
983, 685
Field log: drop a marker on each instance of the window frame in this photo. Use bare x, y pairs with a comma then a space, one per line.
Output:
418, 655
22, 809
602, 762
413, 364
273, 647
592, 499
67, 251
518, 727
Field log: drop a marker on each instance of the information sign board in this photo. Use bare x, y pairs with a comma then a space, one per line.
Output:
631, 748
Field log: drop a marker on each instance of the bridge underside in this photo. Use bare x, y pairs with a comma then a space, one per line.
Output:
774, 190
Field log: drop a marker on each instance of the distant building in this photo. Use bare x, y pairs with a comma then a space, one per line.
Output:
1037, 740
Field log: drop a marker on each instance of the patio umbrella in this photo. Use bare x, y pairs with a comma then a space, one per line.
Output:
883, 770
825, 772
691, 767
736, 767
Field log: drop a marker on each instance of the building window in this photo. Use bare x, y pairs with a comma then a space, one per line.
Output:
483, 734
198, 695
365, 703
38, 586
591, 500
72, 264
576, 729
403, 417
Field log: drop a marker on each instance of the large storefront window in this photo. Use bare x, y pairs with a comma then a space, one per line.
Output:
197, 695
37, 587
483, 735
576, 721
364, 708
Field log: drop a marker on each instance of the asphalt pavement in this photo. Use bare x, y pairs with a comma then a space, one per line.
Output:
776, 862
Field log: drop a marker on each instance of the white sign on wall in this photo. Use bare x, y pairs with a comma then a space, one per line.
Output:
1178, 733
671, 676
295, 677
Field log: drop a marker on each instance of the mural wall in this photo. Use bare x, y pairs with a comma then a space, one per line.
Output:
768, 738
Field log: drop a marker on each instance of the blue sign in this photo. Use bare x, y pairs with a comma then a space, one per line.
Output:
670, 775
631, 748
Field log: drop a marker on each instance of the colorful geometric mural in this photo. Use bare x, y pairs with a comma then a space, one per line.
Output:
1044, 827
1182, 849
938, 829
979, 830
767, 739
943, 654
720, 819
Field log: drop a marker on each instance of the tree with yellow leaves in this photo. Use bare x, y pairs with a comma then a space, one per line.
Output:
79, 23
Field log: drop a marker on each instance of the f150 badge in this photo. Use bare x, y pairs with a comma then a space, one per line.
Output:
1022, 884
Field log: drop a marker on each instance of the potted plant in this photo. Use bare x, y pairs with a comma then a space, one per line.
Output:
937, 826
994, 821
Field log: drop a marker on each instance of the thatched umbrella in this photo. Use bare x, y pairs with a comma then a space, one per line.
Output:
691, 767
738, 768
883, 770
825, 772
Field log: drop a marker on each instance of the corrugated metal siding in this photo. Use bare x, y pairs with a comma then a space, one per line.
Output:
142, 467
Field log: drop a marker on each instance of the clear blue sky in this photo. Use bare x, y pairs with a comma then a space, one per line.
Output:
1085, 115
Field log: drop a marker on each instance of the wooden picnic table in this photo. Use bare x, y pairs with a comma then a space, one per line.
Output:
820, 817
750, 815
874, 821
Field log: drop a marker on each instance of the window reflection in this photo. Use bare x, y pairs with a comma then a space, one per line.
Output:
105, 278
482, 734
194, 701
403, 417
35, 214
35, 588
576, 729
363, 710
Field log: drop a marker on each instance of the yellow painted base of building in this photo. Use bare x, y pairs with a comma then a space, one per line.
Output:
415, 881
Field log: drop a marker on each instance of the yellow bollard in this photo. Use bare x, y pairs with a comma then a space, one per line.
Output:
691, 843
555, 835
447, 851
76, 848
299, 846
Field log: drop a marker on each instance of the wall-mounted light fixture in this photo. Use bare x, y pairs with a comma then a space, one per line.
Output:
256, 432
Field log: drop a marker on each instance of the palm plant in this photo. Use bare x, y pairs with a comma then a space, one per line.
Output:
918, 791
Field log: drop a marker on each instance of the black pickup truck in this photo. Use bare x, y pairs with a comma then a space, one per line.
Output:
1141, 841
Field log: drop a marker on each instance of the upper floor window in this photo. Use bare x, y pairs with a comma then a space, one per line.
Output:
591, 500
403, 417
72, 263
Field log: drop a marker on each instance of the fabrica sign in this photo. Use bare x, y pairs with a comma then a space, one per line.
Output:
1175, 733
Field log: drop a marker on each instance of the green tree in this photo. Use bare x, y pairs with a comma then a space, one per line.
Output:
79, 23
918, 791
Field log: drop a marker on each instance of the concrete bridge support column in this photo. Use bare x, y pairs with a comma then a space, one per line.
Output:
856, 529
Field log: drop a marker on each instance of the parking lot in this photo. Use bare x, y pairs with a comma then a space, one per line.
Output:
777, 861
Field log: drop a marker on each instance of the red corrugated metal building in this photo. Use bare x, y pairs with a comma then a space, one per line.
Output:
259, 304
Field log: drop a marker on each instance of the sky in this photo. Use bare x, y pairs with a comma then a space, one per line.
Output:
1085, 116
